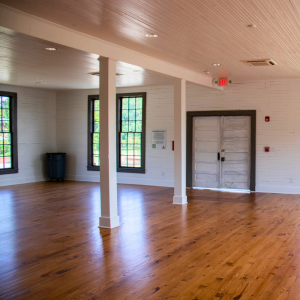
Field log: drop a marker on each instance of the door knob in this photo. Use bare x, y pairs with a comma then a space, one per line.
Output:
223, 159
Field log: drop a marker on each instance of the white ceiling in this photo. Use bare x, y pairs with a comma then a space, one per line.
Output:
24, 60
192, 33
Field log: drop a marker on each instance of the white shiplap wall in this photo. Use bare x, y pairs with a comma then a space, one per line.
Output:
36, 133
278, 170
72, 135
49, 122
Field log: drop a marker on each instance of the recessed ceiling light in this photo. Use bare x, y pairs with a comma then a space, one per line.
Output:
51, 49
39, 81
153, 35
206, 72
251, 26
216, 65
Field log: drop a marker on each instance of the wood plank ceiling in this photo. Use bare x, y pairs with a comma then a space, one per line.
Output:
25, 62
192, 33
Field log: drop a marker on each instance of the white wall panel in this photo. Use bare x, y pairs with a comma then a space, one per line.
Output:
72, 135
278, 170
36, 133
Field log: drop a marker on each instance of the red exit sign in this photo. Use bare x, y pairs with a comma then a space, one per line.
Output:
222, 81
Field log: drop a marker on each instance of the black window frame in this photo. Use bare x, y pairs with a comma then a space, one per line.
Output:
91, 99
143, 137
14, 132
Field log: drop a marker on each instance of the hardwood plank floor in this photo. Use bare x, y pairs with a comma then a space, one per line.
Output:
219, 246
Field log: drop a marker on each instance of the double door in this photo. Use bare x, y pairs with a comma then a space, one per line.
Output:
221, 152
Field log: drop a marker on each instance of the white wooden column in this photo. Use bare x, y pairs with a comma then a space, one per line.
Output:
179, 141
108, 176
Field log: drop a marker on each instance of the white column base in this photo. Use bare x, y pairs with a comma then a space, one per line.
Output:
106, 222
180, 200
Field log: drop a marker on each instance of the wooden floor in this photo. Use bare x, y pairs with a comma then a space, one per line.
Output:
219, 246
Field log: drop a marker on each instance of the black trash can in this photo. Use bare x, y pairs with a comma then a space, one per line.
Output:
56, 165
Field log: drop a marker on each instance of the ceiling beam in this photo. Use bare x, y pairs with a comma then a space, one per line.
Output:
24, 23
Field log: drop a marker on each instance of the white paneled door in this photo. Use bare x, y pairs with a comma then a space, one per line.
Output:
221, 152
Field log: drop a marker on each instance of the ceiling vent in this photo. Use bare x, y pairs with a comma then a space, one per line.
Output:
260, 62
98, 74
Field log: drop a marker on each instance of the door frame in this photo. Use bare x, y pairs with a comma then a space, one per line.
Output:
219, 113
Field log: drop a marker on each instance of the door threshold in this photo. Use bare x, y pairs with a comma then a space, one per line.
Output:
224, 190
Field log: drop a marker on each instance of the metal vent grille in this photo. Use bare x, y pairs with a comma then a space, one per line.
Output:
260, 62
98, 74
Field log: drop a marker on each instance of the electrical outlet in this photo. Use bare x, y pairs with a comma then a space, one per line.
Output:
291, 180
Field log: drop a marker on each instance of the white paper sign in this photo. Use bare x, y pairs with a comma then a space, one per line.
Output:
159, 139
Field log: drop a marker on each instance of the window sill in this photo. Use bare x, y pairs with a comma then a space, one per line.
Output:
8, 171
93, 168
131, 170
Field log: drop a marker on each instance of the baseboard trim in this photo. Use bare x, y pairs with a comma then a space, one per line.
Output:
14, 180
277, 189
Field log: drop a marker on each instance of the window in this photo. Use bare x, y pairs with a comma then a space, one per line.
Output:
131, 114
8, 133
93, 133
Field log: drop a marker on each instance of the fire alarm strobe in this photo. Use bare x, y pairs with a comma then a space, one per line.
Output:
267, 149
267, 119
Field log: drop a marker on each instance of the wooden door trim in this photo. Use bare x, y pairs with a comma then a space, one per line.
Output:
219, 113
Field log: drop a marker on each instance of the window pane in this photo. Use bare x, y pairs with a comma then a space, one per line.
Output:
131, 103
130, 161
125, 103
139, 126
139, 115
6, 127
139, 103
124, 138
96, 127
7, 162
130, 149
123, 161
123, 149
131, 126
97, 116
125, 114
132, 114
97, 105
96, 161
130, 138
96, 149
5, 115
1, 150
137, 149
137, 161
5, 102
124, 126
138, 138
7, 149
96, 138
1, 163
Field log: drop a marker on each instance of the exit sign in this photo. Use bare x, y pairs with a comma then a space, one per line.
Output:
222, 81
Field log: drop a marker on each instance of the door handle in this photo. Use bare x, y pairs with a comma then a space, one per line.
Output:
223, 159
218, 155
